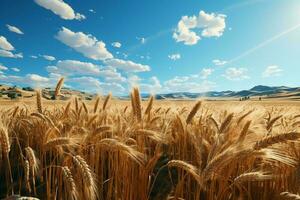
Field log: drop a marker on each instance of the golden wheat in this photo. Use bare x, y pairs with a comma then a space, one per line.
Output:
157, 151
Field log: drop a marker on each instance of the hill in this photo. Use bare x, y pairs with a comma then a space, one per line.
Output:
259, 91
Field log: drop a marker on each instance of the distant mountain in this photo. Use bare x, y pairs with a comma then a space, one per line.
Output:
257, 91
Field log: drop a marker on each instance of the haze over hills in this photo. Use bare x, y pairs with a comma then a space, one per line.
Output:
257, 91
265, 92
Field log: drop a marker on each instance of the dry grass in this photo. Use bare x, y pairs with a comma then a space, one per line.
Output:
148, 150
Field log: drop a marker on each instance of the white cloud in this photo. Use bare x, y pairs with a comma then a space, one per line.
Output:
236, 73
86, 44
5, 45
219, 62
272, 70
211, 25
15, 69
125, 55
74, 67
116, 44
14, 29
111, 74
80, 17
50, 58
152, 86
59, 7
37, 78
206, 72
127, 65
91, 84
2, 67
8, 54
83, 83
133, 81
35, 57
33, 80
141, 39
92, 11
187, 84
6, 48
174, 56
78, 68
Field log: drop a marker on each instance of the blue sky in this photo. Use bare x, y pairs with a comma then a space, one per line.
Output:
160, 45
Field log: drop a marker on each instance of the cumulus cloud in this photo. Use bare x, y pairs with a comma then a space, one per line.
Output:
152, 85
83, 43
35, 57
50, 58
116, 44
33, 80
9, 54
133, 81
272, 70
60, 8
78, 68
5, 45
187, 84
6, 49
74, 67
218, 62
206, 72
233, 73
92, 84
175, 56
210, 25
127, 65
141, 39
37, 78
14, 29
15, 69
111, 74
2, 68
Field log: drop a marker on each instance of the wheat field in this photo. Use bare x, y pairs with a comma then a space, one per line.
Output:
148, 150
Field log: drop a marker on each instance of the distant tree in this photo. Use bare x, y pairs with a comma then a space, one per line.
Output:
28, 89
12, 95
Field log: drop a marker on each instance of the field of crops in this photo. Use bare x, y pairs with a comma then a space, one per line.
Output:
143, 150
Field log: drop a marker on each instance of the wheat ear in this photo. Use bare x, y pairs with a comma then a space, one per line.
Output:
39, 101
106, 101
58, 87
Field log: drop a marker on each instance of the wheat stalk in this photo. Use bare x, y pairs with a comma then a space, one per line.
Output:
193, 112
88, 177
108, 97
192, 170
39, 101
69, 181
149, 106
96, 104
226, 123
137, 104
291, 196
115, 145
280, 138
58, 87
57, 142
4, 140
252, 176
